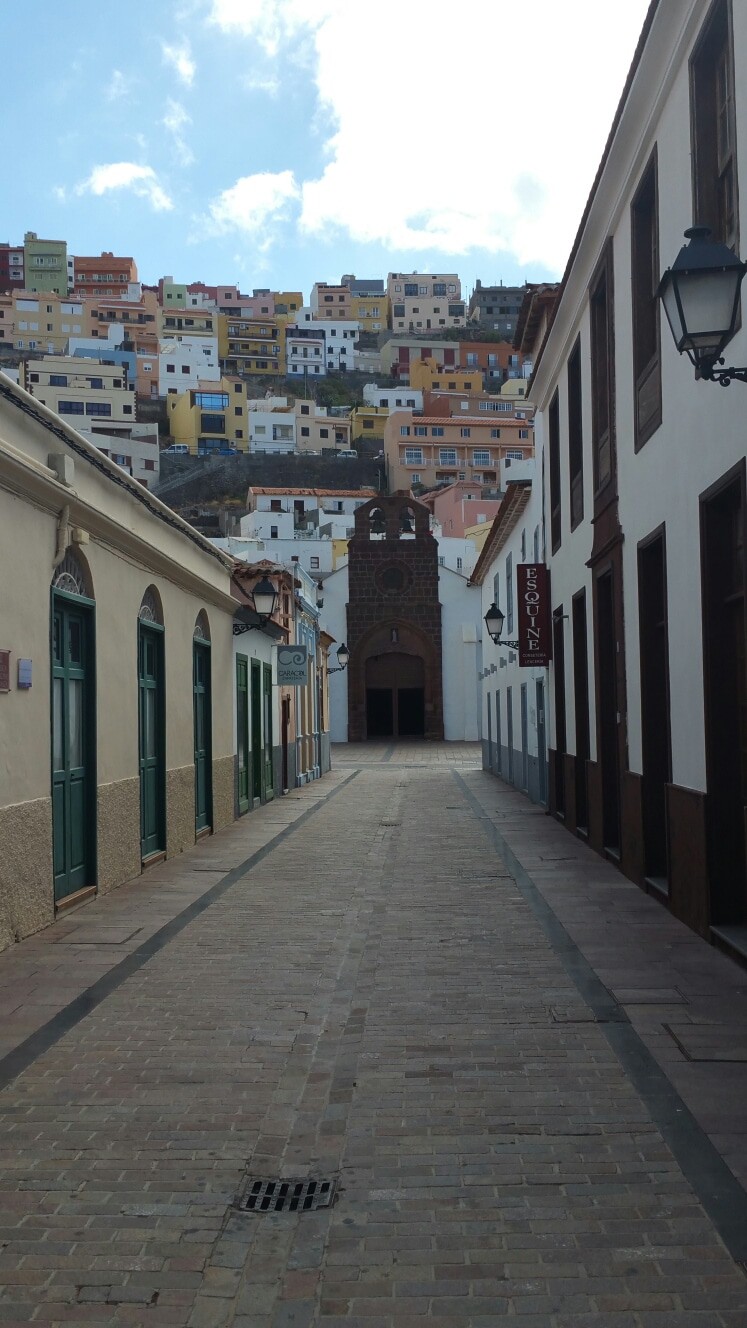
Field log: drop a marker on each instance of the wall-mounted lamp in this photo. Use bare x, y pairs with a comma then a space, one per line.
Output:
343, 659
265, 598
320, 596
494, 621
700, 294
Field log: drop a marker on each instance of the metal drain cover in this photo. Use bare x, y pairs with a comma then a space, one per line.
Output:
286, 1196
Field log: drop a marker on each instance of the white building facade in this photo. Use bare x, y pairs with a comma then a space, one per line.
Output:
645, 489
185, 362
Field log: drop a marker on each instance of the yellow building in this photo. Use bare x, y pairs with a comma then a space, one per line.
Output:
370, 311
430, 376
515, 389
187, 322
212, 417
368, 422
478, 534
252, 345
87, 393
125, 586
287, 304
42, 322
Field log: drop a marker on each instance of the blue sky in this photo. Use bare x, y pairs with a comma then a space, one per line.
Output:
279, 142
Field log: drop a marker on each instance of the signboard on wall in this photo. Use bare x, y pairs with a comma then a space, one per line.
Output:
292, 666
533, 615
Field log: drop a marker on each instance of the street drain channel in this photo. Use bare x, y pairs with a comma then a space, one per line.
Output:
286, 1196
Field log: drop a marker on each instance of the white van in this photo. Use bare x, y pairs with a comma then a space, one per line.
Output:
177, 449
346, 452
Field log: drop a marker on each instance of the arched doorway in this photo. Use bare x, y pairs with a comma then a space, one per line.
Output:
395, 696
152, 725
73, 730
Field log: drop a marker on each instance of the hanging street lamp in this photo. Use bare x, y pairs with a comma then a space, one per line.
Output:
700, 294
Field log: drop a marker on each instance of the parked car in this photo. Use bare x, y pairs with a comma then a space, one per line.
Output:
177, 449
346, 452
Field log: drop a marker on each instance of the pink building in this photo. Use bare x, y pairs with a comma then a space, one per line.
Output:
461, 505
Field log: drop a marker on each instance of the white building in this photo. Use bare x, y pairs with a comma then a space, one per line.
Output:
513, 696
645, 484
393, 398
135, 448
305, 352
272, 431
185, 362
340, 336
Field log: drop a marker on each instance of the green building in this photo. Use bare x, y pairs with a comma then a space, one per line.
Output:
45, 263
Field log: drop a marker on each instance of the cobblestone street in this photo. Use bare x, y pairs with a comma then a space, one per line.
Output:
527, 1078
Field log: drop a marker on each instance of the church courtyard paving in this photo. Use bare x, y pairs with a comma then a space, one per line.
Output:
525, 1082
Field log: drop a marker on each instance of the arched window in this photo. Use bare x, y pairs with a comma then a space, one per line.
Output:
202, 627
151, 610
72, 576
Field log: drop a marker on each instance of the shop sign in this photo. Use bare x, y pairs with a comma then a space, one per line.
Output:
292, 666
533, 615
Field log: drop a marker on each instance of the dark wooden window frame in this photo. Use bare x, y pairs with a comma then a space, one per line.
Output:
602, 356
556, 515
575, 435
710, 168
644, 280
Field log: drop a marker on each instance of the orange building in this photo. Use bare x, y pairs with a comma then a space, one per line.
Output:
106, 275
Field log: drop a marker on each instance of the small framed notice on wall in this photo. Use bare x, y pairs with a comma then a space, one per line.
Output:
4, 670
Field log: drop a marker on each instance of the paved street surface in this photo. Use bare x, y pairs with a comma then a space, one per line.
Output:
527, 1079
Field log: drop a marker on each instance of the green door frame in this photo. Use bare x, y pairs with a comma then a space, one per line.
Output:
73, 743
202, 711
243, 750
268, 735
258, 789
152, 738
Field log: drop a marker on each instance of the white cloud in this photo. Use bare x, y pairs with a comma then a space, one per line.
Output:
180, 58
119, 85
175, 120
141, 180
489, 142
254, 205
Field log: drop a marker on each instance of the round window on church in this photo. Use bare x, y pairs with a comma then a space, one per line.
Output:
393, 579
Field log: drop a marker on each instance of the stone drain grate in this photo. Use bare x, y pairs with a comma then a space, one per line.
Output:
286, 1196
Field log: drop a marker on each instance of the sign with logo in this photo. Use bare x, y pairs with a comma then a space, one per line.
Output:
533, 615
292, 666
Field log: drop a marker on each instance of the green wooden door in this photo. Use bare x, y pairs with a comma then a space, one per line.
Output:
203, 742
152, 752
256, 705
242, 732
72, 749
267, 716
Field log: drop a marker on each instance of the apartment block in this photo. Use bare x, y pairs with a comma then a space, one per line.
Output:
45, 264
429, 450
399, 352
369, 302
184, 362
210, 418
367, 423
102, 275
305, 349
251, 345
322, 428
496, 308
81, 390
11, 267
425, 301
135, 310
331, 301
430, 376
38, 322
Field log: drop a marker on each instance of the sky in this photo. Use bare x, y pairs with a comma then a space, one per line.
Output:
275, 143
